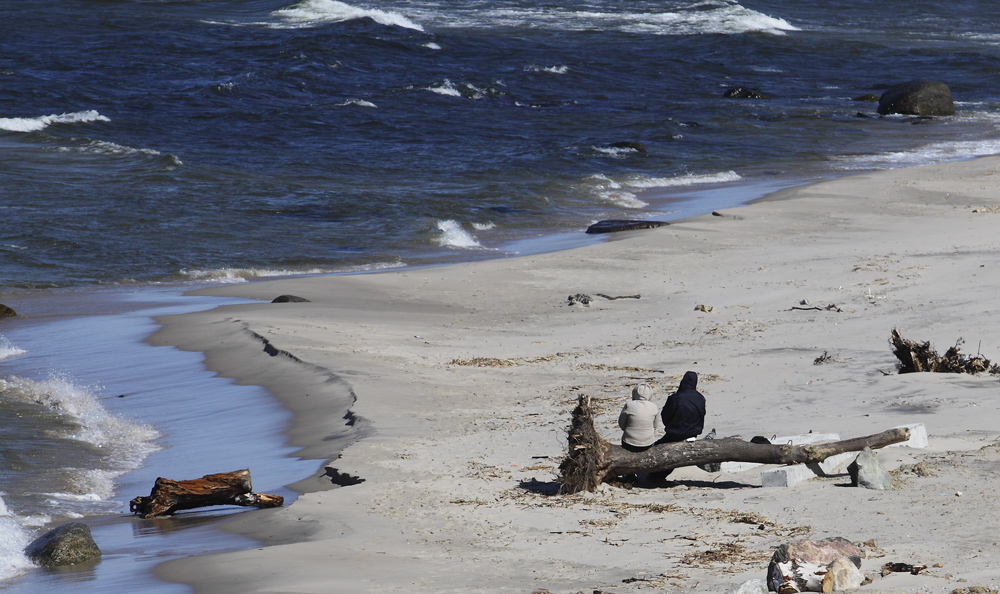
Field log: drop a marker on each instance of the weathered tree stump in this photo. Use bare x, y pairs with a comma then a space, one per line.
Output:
224, 488
592, 460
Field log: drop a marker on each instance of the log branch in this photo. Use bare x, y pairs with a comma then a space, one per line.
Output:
592, 460
225, 488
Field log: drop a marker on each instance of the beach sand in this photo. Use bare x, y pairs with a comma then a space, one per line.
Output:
449, 390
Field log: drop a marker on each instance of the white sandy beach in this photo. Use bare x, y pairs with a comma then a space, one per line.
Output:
458, 459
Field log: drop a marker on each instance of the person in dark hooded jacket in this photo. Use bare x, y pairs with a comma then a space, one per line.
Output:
684, 412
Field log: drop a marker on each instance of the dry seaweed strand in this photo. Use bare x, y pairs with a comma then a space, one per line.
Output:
914, 357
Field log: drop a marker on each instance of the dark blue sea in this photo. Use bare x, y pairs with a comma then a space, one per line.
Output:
147, 146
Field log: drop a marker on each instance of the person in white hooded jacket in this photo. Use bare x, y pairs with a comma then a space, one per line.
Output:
639, 420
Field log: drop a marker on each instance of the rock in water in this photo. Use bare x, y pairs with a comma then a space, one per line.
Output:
917, 97
68, 544
289, 299
868, 473
842, 575
6, 312
613, 225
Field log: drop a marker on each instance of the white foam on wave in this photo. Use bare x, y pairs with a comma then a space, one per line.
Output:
125, 443
446, 88
454, 236
8, 350
43, 122
623, 192
13, 539
312, 13
981, 118
608, 190
356, 102
227, 275
547, 69
484, 226
725, 17
690, 179
108, 148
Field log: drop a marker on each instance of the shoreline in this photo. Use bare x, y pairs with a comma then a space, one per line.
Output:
464, 377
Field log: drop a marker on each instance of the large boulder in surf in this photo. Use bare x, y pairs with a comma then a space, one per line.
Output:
917, 97
6, 312
69, 544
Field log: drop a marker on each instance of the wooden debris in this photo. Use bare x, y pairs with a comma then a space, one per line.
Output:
225, 488
592, 460
610, 298
914, 357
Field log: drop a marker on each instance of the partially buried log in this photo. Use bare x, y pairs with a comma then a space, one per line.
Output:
592, 460
224, 488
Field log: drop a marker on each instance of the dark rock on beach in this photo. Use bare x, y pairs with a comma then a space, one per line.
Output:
917, 97
6, 312
69, 544
744, 93
290, 299
612, 225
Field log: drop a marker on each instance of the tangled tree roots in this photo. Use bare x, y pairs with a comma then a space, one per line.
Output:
582, 470
914, 356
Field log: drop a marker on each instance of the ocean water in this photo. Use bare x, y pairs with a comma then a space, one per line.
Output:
152, 145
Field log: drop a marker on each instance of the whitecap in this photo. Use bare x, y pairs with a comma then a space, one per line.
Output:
109, 148
432, 45
8, 350
548, 69
311, 13
43, 122
446, 88
484, 226
357, 102
454, 236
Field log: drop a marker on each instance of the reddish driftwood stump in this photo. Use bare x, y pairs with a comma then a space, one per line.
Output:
224, 488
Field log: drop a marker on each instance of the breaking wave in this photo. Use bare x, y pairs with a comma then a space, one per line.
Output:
43, 122
311, 13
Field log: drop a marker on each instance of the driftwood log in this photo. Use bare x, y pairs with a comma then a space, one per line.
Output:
224, 488
592, 460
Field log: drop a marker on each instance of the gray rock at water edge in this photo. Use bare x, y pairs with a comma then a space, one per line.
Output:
749, 587
69, 544
289, 299
919, 98
614, 225
867, 472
